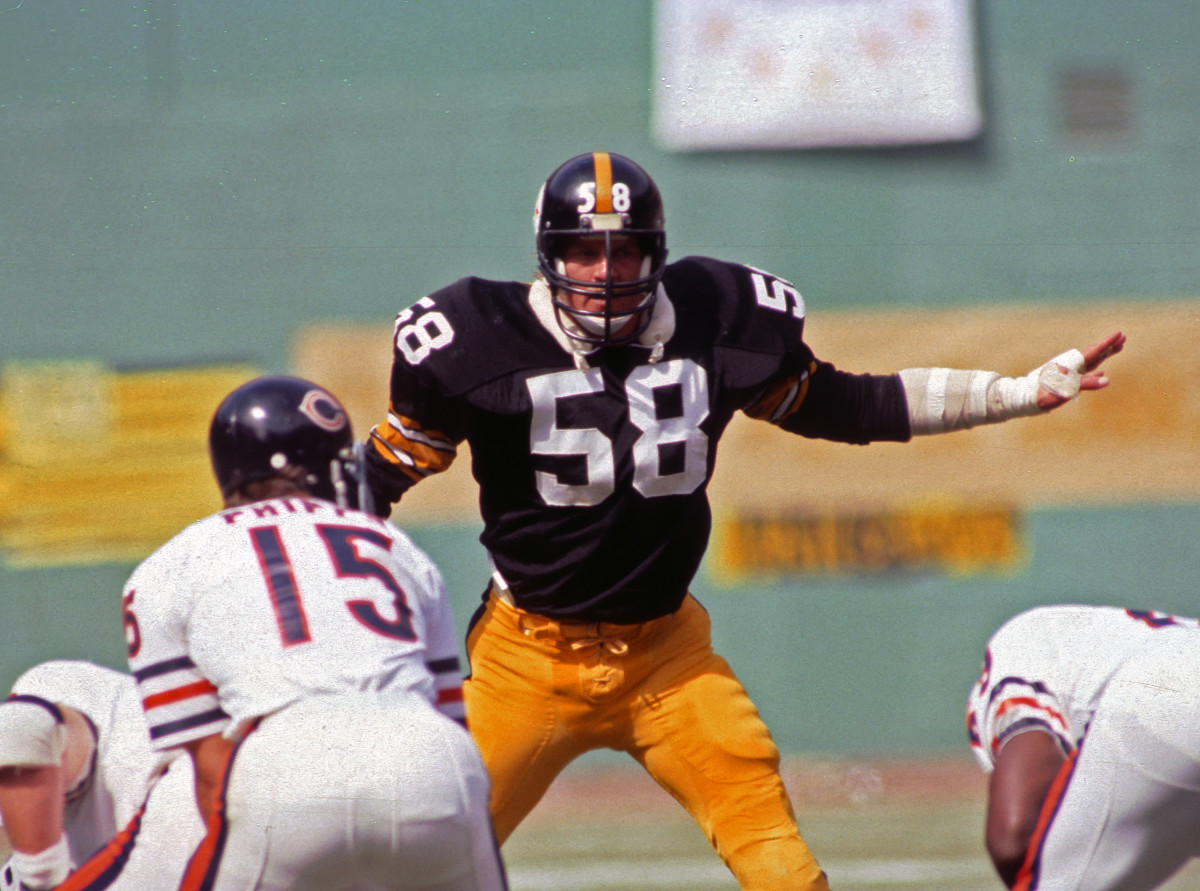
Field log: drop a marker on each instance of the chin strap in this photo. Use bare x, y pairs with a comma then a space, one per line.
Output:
944, 399
657, 334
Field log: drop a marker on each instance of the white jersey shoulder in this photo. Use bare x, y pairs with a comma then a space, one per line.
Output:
256, 607
1046, 669
124, 768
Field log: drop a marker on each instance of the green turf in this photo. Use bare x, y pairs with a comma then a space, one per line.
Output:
877, 847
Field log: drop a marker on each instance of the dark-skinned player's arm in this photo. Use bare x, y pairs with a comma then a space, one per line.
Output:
210, 757
1025, 769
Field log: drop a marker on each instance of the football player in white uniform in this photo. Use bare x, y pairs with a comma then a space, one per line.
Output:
1086, 717
86, 803
304, 653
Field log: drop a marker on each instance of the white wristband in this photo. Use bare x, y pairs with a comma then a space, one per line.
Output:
45, 869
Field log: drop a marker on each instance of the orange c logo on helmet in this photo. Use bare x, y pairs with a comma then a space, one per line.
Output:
323, 410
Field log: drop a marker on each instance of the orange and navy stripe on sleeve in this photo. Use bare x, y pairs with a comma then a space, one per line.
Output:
181, 704
447, 682
1016, 704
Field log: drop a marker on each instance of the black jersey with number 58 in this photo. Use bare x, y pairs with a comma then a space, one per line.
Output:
593, 472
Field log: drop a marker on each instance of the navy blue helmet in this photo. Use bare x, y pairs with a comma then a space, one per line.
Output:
276, 422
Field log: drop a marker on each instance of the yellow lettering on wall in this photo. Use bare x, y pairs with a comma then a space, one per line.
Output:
945, 537
104, 466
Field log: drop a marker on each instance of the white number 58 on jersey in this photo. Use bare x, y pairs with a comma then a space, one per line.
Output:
416, 339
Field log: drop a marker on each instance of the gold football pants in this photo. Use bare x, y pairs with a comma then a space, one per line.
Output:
542, 692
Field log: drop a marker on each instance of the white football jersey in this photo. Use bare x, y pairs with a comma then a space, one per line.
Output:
124, 764
1047, 668
113, 842
256, 607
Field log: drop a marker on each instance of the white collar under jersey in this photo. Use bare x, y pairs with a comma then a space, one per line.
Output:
654, 338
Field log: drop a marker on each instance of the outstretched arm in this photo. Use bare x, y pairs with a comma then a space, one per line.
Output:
943, 399
1025, 769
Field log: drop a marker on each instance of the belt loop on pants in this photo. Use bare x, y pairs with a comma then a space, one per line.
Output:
546, 628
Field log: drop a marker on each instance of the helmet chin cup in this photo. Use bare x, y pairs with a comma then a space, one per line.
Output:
602, 327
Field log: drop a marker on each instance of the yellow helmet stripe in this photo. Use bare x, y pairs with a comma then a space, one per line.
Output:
603, 165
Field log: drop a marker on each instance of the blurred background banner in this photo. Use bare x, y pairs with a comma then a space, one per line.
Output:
743, 74
100, 465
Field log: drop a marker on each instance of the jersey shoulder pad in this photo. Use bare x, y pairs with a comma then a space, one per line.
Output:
753, 310
181, 557
57, 679
470, 332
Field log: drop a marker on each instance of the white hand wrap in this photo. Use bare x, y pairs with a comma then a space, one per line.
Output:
1063, 383
45, 869
945, 399
31, 735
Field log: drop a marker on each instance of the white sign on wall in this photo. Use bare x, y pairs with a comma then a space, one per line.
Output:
744, 74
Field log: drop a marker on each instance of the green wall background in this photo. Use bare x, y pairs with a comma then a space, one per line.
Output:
183, 180
198, 181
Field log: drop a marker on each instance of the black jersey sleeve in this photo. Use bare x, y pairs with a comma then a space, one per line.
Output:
760, 327
853, 408
419, 438
424, 426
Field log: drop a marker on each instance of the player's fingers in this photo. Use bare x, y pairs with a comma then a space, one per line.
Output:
1093, 381
1064, 377
1047, 400
1098, 352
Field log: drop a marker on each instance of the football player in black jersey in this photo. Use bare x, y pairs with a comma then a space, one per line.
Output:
592, 401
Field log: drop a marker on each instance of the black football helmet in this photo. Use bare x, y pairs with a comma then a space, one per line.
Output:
277, 421
600, 193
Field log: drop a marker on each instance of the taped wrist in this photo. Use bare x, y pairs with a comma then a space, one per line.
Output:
45, 869
944, 399
32, 733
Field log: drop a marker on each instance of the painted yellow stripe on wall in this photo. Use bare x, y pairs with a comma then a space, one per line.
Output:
603, 164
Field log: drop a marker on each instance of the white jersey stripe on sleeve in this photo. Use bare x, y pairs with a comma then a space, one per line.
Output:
412, 434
